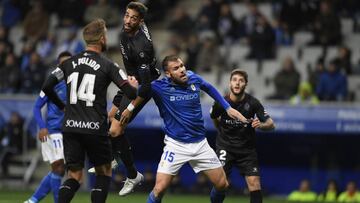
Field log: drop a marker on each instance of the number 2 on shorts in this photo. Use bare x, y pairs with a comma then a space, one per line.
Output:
222, 156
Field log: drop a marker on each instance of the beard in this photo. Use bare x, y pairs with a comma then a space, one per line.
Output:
131, 29
103, 47
178, 80
241, 92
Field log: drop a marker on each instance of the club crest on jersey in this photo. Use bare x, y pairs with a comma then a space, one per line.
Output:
247, 106
193, 87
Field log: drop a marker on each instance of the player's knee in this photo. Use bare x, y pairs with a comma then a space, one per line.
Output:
116, 131
103, 170
222, 184
254, 184
75, 174
58, 167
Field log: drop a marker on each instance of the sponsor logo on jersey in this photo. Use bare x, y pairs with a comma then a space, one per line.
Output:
185, 97
236, 123
247, 106
82, 124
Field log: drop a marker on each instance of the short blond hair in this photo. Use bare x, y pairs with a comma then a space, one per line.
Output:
93, 31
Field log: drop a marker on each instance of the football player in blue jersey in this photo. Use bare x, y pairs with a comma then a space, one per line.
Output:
178, 99
51, 140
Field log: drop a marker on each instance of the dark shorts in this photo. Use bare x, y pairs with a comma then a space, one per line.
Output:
121, 101
76, 146
247, 163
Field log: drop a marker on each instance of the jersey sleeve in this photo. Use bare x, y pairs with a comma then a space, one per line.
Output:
211, 91
119, 77
144, 59
216, 110
39, 103
260, 111
48, 87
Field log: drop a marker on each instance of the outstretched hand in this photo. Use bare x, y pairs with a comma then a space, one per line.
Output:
234, 114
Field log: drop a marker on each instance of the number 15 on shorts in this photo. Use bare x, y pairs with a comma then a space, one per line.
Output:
169, 156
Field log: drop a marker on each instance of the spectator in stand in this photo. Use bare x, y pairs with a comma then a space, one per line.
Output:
102, 10
12, 142
262, 40
9, 75
209, 12
291, 14
27, 49
327, 27
332, 85
71, 12
343, 60
5, 38
182, 24
305, 95
248, 23
304, 194
45, 47
192, 51
226, 26
283, 35
314, 75
286, 80
208, 59
71, 44
33, 76
3, 53
330, 194
36, 22
351, 194
11, 14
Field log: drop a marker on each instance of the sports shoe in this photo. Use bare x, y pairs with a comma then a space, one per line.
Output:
130, 184
114, 165
29, 201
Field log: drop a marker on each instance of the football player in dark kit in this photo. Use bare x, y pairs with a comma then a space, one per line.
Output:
235, 143
85, 127
140, 62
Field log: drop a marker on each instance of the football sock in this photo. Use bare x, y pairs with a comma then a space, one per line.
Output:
256, 196
122, 152
67, 190
101, 189
153, 199
55, 182
43, 189
217, 196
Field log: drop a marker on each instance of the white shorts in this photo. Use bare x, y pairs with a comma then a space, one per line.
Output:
53, 149
199, 155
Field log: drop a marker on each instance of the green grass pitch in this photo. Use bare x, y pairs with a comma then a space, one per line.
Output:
81, 197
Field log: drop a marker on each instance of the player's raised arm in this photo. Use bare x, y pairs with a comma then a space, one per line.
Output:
120, 79
211, 91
